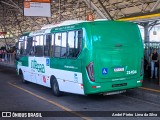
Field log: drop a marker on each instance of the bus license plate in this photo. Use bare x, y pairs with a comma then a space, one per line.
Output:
118, 69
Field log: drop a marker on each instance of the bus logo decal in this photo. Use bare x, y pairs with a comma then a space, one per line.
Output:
104, 71
47, 62
44, 79
39, 67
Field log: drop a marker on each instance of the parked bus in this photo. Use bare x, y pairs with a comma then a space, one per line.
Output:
99, 57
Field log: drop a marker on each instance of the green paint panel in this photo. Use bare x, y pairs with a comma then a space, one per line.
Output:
24, 61
113, 86
117, 48
117, 51
66, 64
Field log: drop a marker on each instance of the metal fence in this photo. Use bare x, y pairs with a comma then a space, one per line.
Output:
7, 58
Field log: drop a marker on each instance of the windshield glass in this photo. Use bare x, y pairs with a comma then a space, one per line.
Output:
25, 45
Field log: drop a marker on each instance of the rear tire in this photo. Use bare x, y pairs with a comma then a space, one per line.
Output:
55, 88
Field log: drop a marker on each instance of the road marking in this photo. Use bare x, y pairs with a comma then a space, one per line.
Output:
153, 90
52, 102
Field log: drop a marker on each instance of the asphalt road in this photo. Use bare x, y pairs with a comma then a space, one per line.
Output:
16, 96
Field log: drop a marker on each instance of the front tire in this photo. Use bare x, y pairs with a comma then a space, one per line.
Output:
55, 88
22, 78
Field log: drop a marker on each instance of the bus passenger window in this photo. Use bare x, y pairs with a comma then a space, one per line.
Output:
47, 44
32, 53
39, 46
63, 46
29, 45
70, 44
58, 39
22, 45
52, 46
78, 42
74, 44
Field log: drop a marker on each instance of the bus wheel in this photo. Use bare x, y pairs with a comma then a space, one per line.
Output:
55, 88
22, 78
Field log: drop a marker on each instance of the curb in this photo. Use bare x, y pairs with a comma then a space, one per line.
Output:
8, 65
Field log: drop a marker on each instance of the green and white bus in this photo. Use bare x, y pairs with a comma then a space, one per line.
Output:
98, 57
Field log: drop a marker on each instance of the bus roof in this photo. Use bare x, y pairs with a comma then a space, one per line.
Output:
48, 28
64, 23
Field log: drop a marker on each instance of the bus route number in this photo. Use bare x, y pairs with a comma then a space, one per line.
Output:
131, 72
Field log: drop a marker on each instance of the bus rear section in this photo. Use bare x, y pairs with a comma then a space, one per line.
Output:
117, 62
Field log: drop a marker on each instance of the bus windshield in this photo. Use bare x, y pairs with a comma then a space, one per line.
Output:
25, 45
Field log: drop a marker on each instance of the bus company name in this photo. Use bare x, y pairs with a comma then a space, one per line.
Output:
65, 27
37, 32
39, 67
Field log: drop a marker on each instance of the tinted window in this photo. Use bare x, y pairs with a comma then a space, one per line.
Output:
29, 46
70, 44
47, 44
74, 44
78, 42
22, 45
63, 46
39, 46
58, 40
52, 45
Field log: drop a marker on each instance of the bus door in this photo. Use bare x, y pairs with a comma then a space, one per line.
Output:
32, 73
43, 61
32, 63
40, 72
25, 44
